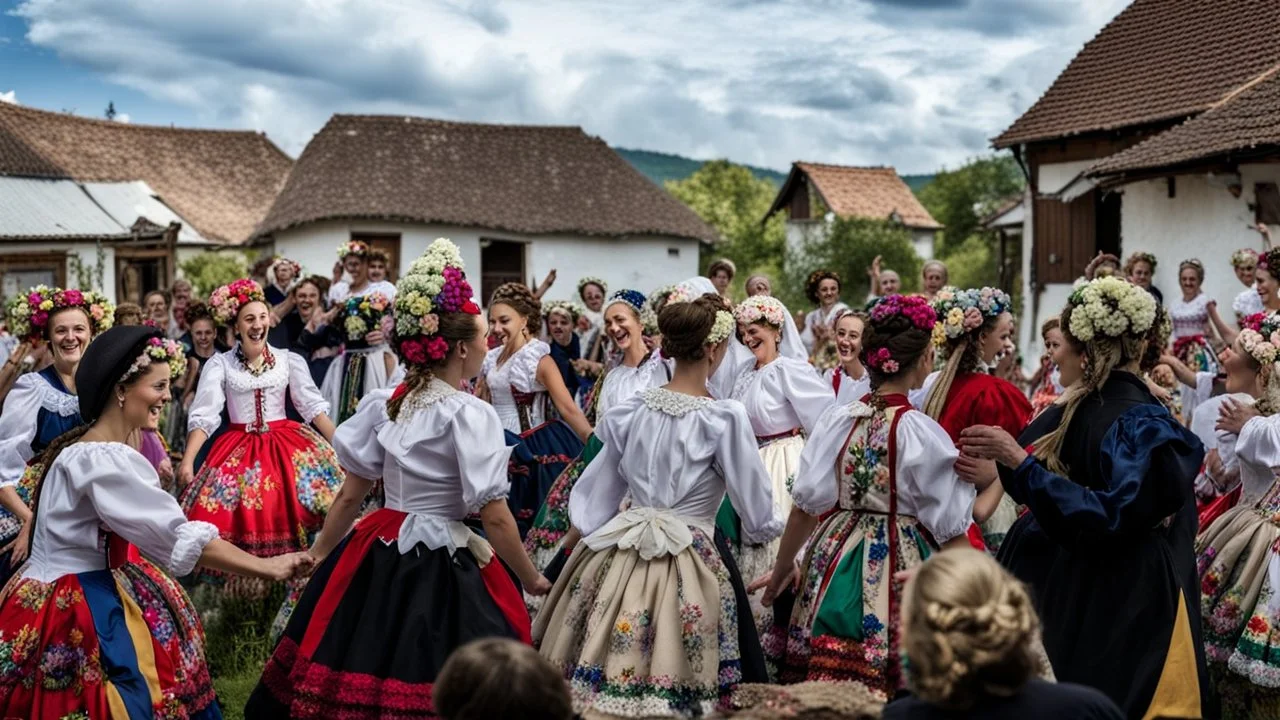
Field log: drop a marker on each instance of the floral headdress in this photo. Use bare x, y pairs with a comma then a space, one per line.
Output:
160, 350
761, 308
353, 247
434, 284
1110, 307
963, 311
591, 280
297, 269
635, 300
679, 294
227, 300
722, 328
1269, 259
661, 297
1138, 257
913, 307
565, 307
1244, 257
29, 313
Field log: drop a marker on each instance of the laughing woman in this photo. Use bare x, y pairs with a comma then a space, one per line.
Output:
643, 621
91, 629
41, 406
849, 380
268, 481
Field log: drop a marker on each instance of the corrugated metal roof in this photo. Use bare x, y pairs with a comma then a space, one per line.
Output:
128, 201
40, 208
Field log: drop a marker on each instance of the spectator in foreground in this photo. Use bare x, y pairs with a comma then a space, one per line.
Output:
500, 678
970, 633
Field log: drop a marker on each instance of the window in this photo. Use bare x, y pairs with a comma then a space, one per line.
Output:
1268, 203
673, 252
19, 272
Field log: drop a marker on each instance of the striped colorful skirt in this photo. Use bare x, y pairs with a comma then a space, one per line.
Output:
541, 456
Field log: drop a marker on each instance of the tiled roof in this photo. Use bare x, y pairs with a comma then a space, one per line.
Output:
221, 181
1158, 60
522, 179
1244, 122
862, 192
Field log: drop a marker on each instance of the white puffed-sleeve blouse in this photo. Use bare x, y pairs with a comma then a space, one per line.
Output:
443, 458
225, 382
678, 453
518, 374
850, 389
622, 382
92, 485
928, 487
342, 290
1258, 451
782, 396
30, 394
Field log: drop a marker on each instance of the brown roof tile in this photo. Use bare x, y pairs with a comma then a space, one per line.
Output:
1158, 60
523, 179
866, 192
1242, 123
220, 181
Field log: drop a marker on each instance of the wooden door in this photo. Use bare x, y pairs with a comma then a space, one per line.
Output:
389, 244
501, 261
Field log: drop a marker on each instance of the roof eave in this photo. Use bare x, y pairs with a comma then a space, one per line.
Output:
264, 234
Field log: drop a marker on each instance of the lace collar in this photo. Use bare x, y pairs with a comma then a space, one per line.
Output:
673, 403
434, 392
55, 398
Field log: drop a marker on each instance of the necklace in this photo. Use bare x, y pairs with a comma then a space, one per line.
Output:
268, 361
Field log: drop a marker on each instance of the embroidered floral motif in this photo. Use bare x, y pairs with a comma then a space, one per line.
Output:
61, 667
630, 627
865, 468
317, 478
674, 403
66, 597
691, 634
227, 489
32, 595
14, 653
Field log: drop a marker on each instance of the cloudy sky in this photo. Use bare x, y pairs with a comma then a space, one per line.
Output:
918, 84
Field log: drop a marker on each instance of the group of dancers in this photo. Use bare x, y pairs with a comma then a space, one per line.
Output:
696, 507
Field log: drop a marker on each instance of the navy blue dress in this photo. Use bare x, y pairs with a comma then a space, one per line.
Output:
43, 398
1108, 550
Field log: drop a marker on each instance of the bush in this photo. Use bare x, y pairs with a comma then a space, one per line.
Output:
972, 264
848, 248
210, 270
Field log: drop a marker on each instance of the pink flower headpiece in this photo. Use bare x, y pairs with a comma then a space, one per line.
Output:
227, 300
913, 307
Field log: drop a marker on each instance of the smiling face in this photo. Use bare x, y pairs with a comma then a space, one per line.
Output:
762, 340
69, 333
181, 296
202, 334
144, 398
505, 323
307, 297
849, 338
621, 324
593, 296
1140, 274
996, 340
252, 325
1268, 289
890, 283
560, 328
1189, 281
1246, 274
357, 268
828, 292
156, 306
377, 270
1068, 358
1242, 370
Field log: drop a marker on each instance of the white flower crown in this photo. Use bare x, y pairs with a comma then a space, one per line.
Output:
1110, 307
722, 328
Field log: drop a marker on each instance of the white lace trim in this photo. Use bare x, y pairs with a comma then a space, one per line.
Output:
770, 531
192, 539
54, 400
434, 392
497, 493
859, 409
673, 403
241, 380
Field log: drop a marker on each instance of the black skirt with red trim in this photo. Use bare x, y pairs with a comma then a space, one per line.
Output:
374, 627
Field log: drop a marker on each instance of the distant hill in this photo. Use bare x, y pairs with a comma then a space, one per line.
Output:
660, 167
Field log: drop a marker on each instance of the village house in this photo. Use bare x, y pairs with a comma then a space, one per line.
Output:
1163, 136
814, 192
519, 201
116, 206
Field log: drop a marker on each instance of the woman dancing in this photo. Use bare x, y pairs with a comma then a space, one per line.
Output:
91, 629
644, 619
849, 380
267, 482
887, 471
43, 405
392, 598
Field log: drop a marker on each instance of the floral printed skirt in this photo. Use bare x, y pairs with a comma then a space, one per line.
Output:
352, 375
541, 456
636, 638
375, 626
997, 526
1238, 558
551, 523
266, 492
845, 622
9, 524
103, 644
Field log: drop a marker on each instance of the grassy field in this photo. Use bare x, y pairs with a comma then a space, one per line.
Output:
237, 646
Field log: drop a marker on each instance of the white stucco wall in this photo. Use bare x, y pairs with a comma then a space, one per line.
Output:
922, 241
87, 252
640, 262
800, 231
1203, 220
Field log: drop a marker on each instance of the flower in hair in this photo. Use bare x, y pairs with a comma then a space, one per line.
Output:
434, 284
914, 308
679, 294
761, 308
227, 300
1260, 337
591, 280
353, 247
159, 350
722, 328
962, 311
880, 359
29, 312
1244, 257
569, 308
1110, 307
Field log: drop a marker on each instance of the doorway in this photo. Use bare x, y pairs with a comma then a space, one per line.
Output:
138, 272
501, 261
389, 244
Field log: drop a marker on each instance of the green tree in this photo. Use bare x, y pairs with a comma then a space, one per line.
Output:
847, 248
209, 270
731, 199
960, 198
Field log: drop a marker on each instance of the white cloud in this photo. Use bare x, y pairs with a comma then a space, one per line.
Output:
121, 117
10, 97
913, 83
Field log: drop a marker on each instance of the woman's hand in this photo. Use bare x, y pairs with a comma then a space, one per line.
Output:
785, 574
374, 337
1233, 415
540, 586
20, 546
976, 471
284, 567
186, 473
992, 443
165, 471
